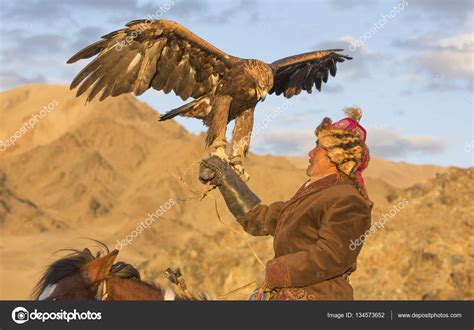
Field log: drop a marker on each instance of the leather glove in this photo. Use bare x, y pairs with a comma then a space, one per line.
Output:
212, 170
237, 195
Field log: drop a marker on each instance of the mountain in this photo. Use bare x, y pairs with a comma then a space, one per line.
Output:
100, 170
425, 249
397, 174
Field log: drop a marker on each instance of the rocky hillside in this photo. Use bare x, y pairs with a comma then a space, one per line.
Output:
426, 250
99, 170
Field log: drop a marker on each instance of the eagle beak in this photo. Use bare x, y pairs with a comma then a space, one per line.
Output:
262, 94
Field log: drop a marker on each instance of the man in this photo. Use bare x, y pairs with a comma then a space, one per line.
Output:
313, 230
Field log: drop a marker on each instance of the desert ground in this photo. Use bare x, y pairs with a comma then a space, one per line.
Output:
96, 171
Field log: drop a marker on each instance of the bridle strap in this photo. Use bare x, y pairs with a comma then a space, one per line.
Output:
102, 293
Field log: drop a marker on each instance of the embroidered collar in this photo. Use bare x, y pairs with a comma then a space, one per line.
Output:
319, 185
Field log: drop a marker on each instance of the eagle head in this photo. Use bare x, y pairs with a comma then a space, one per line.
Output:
263, 76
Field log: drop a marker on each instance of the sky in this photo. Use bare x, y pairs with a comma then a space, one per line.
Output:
412, 70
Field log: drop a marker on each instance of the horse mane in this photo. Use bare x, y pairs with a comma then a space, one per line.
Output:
72, 263
69, 265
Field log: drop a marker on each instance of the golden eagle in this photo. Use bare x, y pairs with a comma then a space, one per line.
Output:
168, 57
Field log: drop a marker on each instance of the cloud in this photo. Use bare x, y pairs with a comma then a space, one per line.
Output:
247, 8
384, 141
435, 10
419, 42
125, 10
445, 62
443, 10
163, 9
359, 66
410, 77
284, 141
33, 46
30, 54
443, 6
333, 88
55, 9
440, 84
41, 43
351, 4
86, 36
32, 43
30, 10
451, 57
389, 142
10, 79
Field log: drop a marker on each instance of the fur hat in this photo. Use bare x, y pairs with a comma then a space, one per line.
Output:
344, 142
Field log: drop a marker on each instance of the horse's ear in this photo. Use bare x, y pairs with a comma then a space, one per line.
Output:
99, 268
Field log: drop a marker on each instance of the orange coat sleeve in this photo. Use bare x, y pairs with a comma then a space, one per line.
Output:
331, 255
262, 219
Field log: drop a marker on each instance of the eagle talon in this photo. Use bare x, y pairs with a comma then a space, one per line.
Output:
240, 170
227, 89
220, 152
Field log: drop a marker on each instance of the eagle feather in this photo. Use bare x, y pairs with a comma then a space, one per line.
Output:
166, 56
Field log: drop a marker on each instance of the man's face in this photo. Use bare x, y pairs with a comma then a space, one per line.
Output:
319, 162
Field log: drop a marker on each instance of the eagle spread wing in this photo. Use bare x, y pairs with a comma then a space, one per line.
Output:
159, 54
301, 72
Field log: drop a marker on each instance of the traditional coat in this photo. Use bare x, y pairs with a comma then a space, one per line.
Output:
313, 232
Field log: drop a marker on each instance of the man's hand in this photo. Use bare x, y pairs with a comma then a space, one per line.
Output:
237, 195
211, 170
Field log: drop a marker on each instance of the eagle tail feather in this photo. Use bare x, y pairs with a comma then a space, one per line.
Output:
175, 112
198, 108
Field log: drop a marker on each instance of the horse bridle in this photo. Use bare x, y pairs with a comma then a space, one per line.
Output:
174, 276
102, 293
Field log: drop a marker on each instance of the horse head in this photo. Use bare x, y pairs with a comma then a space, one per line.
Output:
82, 276
79, 275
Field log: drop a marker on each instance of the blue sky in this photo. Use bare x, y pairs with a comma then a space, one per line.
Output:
413, 76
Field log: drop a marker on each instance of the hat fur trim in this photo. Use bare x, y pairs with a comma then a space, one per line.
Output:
344, 147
